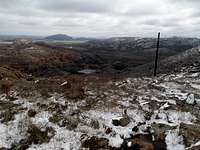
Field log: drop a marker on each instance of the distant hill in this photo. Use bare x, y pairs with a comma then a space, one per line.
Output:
13, 37
59, 37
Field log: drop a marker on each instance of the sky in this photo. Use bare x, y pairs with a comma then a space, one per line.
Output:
100, 18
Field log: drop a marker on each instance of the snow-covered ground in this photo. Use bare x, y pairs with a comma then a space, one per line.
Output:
171, 100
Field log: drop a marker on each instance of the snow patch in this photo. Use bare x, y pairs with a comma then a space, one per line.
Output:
115, 141
41, 119
14, 131
196, 86
174, 141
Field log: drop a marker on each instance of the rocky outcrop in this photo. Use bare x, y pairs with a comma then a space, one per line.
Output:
121, 121
143, 141
191, 133
94, 142
22, 42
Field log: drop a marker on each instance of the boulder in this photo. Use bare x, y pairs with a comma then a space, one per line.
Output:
94, 142
121, 121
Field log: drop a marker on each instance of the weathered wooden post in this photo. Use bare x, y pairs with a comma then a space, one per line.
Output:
156, 57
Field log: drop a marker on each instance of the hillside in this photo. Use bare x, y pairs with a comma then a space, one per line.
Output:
175, 63
119, 55
37, 59
84, 112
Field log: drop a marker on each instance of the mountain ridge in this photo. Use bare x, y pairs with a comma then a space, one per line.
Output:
61, 37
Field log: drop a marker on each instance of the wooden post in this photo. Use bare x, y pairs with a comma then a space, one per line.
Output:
156, 57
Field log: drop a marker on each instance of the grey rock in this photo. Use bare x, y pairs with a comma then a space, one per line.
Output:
94, 142
122, 121
190, 99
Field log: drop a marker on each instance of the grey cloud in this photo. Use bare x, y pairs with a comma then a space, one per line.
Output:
141, 12
163, 22
77, 5
195, 13
185, 1
100, 17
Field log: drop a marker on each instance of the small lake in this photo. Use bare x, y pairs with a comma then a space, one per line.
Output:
6, 42
87, 71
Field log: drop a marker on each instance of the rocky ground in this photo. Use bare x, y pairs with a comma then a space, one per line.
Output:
134, 113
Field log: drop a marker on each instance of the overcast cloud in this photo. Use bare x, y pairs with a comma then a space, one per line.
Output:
100, 18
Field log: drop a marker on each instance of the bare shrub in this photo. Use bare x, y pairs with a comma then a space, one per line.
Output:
76, 88
6, 85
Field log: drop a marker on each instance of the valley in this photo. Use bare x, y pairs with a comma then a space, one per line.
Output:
100, 94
